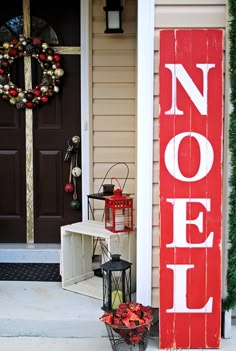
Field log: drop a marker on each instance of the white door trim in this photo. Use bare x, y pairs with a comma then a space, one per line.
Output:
145, 81
85, 103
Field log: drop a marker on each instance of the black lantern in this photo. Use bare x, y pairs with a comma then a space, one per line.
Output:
116, 282
113, 11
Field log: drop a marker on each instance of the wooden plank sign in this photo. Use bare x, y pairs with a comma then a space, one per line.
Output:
190, 188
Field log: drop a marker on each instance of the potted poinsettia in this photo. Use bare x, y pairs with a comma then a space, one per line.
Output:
131, 322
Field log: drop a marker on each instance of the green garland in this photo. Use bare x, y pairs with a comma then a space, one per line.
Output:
230, 301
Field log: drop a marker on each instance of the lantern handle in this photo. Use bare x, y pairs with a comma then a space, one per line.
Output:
116, 164
113, 178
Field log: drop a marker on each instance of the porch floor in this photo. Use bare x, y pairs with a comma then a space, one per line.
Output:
42, 316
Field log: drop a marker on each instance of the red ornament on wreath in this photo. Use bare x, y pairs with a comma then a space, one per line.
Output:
49, 61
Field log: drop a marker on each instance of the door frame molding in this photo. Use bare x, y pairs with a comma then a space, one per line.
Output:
85, 101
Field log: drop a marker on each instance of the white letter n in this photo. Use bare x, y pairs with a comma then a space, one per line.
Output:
199, 100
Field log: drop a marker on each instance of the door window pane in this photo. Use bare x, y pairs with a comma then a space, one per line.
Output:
39, 28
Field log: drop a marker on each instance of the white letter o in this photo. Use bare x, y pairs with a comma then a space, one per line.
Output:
206, 156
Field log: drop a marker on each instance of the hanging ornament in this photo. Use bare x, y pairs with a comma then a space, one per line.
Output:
49, 62
76, 172
75, 204
75, 139
69, 188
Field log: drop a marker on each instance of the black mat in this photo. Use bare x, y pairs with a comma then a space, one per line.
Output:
44, 272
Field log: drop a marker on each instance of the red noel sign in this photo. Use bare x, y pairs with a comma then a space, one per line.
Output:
190, 188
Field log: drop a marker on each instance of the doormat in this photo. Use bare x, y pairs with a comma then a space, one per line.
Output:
43, 272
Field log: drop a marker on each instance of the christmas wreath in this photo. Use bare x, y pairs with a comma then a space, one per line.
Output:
49, 61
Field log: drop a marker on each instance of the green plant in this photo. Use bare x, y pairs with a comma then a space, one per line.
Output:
230, 301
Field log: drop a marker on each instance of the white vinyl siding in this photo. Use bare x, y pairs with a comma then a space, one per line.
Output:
113, 99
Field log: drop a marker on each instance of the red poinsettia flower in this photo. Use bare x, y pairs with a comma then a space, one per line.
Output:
107, 318
130, 320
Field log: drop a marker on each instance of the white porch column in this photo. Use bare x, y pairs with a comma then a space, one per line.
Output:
145, 78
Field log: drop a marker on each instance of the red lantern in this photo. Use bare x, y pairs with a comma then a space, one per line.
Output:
119, 212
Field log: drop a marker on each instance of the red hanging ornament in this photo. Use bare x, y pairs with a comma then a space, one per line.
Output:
69, 188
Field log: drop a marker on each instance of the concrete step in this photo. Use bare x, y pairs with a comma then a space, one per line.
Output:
44, 309
67, 344
30, 253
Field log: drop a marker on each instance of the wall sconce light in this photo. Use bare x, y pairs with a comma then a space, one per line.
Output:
113, 11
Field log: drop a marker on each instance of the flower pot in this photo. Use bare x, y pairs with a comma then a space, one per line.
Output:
128, 339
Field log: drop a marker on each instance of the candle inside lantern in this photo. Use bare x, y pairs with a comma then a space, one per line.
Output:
119, 222
116, 298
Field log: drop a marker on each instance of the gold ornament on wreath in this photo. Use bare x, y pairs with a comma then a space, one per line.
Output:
49, 61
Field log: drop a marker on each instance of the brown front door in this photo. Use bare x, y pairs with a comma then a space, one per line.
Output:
33, 143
